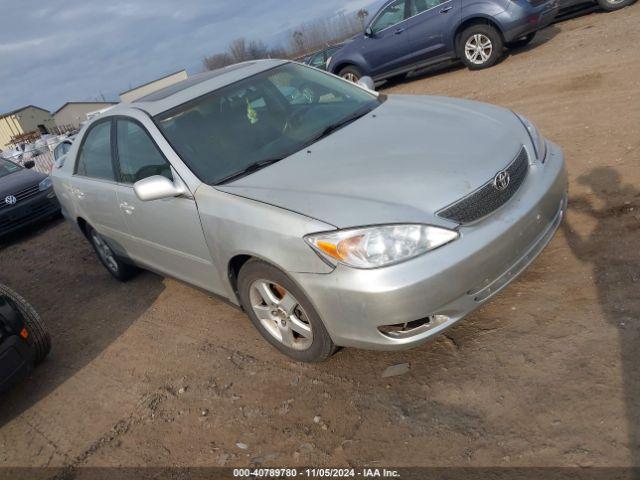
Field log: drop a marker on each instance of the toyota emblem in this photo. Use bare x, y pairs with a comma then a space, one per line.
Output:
502, 180
10, 200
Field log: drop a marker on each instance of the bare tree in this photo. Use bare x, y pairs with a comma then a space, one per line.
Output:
219, 60
238, 50
305, 39
362, 14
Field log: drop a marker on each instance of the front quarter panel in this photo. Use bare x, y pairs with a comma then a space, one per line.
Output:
235, 225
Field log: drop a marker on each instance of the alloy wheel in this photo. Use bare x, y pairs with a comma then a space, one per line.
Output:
478, 49
350, 76
281, 314
105, 252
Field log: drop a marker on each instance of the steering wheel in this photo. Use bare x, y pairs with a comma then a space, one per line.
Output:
294, 119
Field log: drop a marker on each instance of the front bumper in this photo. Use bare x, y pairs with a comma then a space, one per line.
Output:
29, 211
522, 18
16, 361
451, 281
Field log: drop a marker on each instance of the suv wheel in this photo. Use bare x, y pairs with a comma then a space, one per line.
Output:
38, 334
282, 313
116, 267
611, 5
480, 46
350, 73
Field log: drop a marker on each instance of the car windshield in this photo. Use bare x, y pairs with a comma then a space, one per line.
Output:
261, 119
7, 167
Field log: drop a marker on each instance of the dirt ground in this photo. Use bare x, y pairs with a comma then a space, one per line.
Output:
156, 373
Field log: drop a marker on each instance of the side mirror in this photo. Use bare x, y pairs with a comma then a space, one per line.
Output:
156, 188
29, 164
367, 82
368, 32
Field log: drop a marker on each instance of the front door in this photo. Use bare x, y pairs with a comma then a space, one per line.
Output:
164, 235
387, 47
431, 28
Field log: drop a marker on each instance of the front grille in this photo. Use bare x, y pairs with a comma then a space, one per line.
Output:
488, 198
21, 195
10, 221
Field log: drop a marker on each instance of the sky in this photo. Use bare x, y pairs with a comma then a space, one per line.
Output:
54, 51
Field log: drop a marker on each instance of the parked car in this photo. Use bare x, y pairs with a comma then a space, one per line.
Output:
13, 154
24, 340
607, 5
321, 59
357, 219
26, 197
406, 35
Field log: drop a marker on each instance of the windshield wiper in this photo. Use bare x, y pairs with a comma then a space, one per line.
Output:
338, 125
254, 167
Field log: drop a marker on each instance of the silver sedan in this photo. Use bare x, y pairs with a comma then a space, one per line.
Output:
331, 214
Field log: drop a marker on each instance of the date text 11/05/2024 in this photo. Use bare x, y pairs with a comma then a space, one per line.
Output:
316, 473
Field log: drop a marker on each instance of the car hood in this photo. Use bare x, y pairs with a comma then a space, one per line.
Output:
403, 162
17, 181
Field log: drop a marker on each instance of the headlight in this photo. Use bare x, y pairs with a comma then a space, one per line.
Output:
539, 143
328, 62
45, 184
373, 247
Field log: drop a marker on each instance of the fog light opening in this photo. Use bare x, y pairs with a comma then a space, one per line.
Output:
415, 327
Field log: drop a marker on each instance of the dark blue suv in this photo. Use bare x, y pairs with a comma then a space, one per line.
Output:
405, 35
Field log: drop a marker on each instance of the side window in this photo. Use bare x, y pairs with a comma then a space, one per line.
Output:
392, 14
138, 156
318, 60
61, 150
420, 6
95, 156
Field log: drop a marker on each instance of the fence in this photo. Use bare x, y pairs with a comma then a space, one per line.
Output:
43, 162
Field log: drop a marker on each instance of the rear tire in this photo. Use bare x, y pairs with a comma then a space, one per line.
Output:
351, 74
480, 46
115, 266
38, 334
612, 5
521, 42
312, 342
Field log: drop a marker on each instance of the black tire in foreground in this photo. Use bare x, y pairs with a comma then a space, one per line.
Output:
119, 269
282, 314
480, 46
612, 5
38, 334
521, 42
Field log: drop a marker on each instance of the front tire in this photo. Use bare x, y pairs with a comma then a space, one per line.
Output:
38, 334
350, 73
282, 314
480, 46
612, 5
115, 266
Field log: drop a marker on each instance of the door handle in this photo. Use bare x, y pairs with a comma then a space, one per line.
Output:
398, 31
446, 9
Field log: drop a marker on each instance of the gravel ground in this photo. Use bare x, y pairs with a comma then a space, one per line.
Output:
156, 373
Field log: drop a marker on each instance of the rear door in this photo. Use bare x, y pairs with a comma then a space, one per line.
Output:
165, 235
431, 28
94, 185
388, 48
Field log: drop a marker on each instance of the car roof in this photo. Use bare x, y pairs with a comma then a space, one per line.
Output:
196, 86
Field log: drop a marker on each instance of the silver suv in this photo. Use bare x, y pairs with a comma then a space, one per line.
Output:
333, 215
